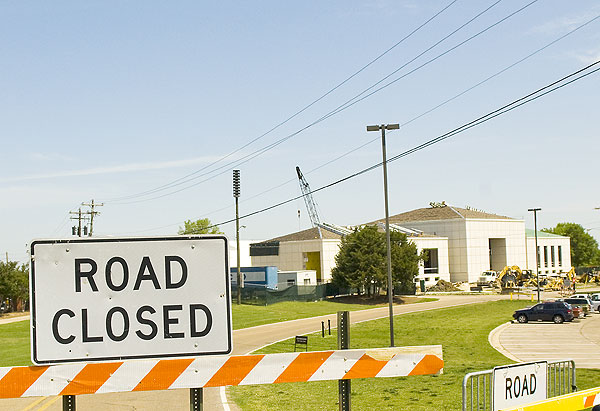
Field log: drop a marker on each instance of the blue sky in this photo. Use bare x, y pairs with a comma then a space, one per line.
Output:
104, 100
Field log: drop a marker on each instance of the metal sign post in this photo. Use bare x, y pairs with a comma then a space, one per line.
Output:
343, 321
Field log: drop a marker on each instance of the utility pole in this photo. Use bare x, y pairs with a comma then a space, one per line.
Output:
92, 213
79, 218
384, 127
537, 254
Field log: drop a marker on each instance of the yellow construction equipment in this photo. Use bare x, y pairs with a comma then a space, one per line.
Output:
509, 277
584, 277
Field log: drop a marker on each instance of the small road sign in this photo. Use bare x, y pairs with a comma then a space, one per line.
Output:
519, 384
102, 299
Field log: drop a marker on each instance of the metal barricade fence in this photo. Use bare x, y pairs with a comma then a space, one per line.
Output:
477, 386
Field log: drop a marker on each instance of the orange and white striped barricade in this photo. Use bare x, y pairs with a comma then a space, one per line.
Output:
215, 371
569, 402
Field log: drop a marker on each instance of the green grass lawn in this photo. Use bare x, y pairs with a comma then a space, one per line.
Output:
463, 333
14, 337
14, 344
245, 316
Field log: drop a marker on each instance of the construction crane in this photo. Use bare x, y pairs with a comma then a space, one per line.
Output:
308, 199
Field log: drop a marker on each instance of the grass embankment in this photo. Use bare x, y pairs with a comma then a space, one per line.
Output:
14, 344
463, 333
245, 316
14, 337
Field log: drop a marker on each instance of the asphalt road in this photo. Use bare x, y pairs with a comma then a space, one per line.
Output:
245, 341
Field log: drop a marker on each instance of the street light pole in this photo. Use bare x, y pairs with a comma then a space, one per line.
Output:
537, 256
390, 289
236, 194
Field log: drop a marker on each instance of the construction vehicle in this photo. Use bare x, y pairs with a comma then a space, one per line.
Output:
529, 279
487, 278
585, 277
509, 277
513, 277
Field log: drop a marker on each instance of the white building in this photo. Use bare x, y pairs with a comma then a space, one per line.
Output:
479, 241
304, 250
460, 243
554, 251
299, 277
311, 250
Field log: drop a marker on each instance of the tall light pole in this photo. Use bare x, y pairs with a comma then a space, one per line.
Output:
236, 194
390, 290
537, 254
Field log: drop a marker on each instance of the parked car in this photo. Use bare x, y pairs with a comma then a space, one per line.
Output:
556, 311
596, 297
577, 312
582, 303
594, 300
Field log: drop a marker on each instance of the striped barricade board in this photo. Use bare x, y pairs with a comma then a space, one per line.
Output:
578, 400
216, 371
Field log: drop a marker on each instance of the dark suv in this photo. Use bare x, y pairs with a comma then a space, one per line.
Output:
557, 311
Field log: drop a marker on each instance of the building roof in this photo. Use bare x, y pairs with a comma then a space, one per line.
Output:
445, 212
542, 234
310, 234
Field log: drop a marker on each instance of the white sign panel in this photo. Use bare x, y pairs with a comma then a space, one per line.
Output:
101, 299
519, 384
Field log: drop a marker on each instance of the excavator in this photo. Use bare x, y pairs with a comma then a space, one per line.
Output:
513, 276
509, 277
584, 277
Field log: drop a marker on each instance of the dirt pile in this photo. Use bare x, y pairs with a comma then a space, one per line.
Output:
442, 286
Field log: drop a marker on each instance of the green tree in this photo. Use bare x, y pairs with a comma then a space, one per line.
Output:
584, 248
14, 283
201, 226
361, 262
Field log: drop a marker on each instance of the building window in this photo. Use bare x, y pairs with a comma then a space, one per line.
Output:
538, 255
545, 256
307, 281
437, 278
552, 256
560, 256
430, 263
291, 282
426, 278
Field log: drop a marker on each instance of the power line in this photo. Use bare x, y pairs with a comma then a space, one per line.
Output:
493, 114
349, 103
358, 98
402, 124
363, 68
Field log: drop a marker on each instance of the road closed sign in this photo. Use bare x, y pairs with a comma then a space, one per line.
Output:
519, 384
102, 299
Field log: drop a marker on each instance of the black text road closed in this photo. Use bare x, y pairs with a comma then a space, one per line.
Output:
110, 299
519, 384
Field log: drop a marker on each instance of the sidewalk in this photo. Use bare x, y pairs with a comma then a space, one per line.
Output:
14, 319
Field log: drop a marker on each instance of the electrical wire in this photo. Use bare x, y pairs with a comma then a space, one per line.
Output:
358, 98
402, 124
489, 116
363, 68
349, 103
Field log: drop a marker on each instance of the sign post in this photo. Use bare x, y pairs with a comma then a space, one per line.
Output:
519, 384
109, 299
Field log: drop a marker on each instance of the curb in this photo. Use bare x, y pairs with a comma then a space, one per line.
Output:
494, 340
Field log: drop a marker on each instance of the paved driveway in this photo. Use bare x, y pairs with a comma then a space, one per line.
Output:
578, 340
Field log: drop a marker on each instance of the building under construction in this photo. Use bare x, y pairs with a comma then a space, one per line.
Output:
461, 244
